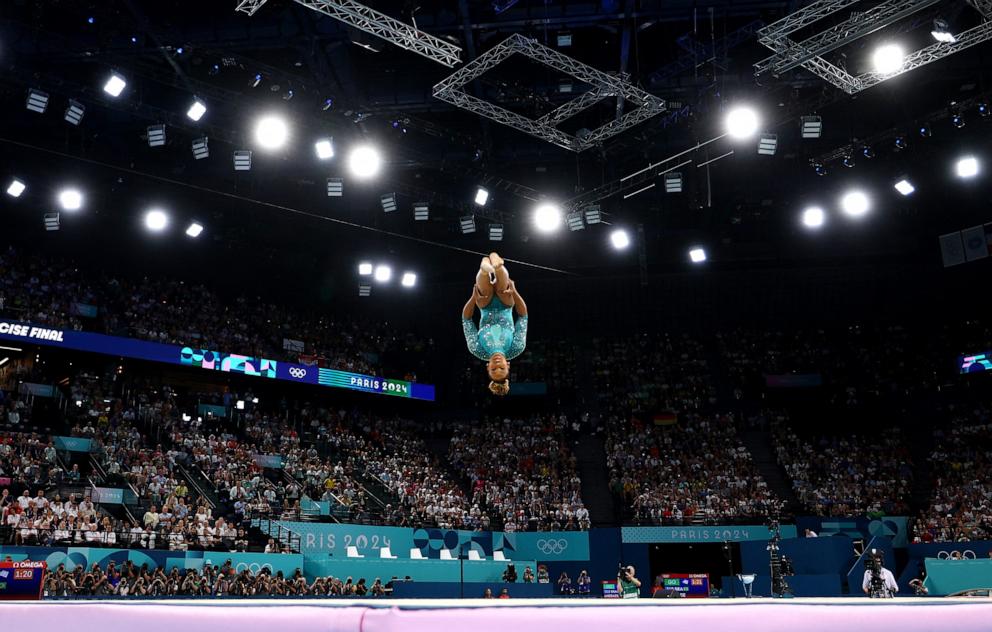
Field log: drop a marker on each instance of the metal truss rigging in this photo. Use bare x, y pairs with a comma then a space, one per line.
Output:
603, 85
809, 53
378, 24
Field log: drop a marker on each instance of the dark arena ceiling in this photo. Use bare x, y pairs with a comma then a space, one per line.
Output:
329, 79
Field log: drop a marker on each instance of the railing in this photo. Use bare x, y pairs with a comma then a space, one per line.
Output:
196, 486
277, 531
54, 536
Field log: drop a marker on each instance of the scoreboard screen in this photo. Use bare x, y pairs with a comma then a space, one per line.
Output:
21, 580
611, 590
695, 585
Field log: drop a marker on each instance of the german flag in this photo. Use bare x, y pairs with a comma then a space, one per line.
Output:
666, 419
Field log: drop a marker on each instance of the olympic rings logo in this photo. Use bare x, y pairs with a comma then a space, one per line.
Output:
552, 547
255, 568
297, 372
966, 554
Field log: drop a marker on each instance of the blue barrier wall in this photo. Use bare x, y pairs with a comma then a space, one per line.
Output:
941, 550
946, 577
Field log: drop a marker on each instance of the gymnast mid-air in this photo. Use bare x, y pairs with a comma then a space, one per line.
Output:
497, 339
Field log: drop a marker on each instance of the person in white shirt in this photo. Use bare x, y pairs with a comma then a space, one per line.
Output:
888, 579
811, 534
24, 499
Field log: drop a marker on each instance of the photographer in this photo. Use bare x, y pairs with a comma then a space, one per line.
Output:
630, 586
878, 580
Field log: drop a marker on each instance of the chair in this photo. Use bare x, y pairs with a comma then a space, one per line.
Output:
386, 554
416, 554
446, 554
353, 552
499, 556
474, 556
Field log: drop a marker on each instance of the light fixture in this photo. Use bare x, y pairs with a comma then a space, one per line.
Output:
594, 214
904, 186
196, 110
942, 32
365, 268
271, 132
364, 161
364, 290
71, 199
52, 221
888, 59
194, 230
481, 196
925, 131
115, 85
767, 144
324, 148
867, 151
742, 123
467, 224
409, 279
900, 143
156, 135
697, 255
37, 101
564, 40
565, 86
812, 126
156, 220
620, 239
673, 182
547, 217
242, 160
200, 148
335, 187
983, 110
814, 217
819, 169
574, 221
388, 202
74, 113
495, 232
848, 161
15, 188
957, 120
421, 211
383, 274
855, 204
967, 167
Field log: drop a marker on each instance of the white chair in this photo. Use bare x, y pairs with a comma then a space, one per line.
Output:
353, 552
416, 554
446, 554
474, 556
500, 557
386, 554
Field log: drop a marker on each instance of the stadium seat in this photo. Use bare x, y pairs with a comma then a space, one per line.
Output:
386, 554
416, 554
353, 552
474, 556
500, 557
446, 554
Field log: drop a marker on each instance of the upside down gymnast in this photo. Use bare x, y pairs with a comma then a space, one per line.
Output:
497, 339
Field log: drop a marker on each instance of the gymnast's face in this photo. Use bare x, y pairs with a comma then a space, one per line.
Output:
498, 367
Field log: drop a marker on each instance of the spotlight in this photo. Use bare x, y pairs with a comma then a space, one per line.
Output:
888, 59
900, 143
697, 255
71, 199
574, 221
673, 182
814, 217
481, 196
335, 187
383, 274
115, 85
967, 167
620, 239
742, 123
767, 144
855, 204
983, 110
819, 169
37, 101
324, 149
242, 160
196, 110
156, 220
495, 232
388, 202
15, 188
564, 39
848, 161
194, 230
200, 148
925, 131
271, 132
868, 152
328, 104
364, 290
257, 80
812, 126
74, 113
409, 279
593, 214
467, 224
904, 186
547, 218
52, 221
364, 161
156, 135
364, 268
957, 120
942, 32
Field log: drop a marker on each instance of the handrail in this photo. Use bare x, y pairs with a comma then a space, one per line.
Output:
196, 486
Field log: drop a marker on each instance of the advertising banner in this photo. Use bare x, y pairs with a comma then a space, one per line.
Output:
109, 495
679, 535
21, 580
73, 444
268, 460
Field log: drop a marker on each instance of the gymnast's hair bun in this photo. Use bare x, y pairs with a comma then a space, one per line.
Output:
499, 388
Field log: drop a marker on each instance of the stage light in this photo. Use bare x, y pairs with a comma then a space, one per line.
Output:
388, 202
819, 169
242, 160
335, 187
256, 81
421, 211
848, 161
888, 59
495, 232
37, 101
547, 217
328, 104
983, 110
364, 161
564, 39
767, 144
900, 143
467, 224
742, 123
194, 230
200, 148
574, 221
156, 135
364, 290
620, 239
814, 217
196, 110
364, 268
967, 167
904, 186
156, 220
481, 196
697, 255
812, 126
52, 221
855, 204
409, 279
115, 85
383, 274
868, 152
15, 188
942, 32
71, 199
74, 113
271, 132
925, 131
324, 149
593, 214
957, 120
673, 182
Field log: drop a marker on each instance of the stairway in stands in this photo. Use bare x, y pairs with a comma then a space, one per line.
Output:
590, 452
759, 444
920, 445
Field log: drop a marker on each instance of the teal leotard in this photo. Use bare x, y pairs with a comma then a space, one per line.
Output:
497, 333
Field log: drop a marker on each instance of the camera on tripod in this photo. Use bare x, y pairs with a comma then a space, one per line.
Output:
876, 583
